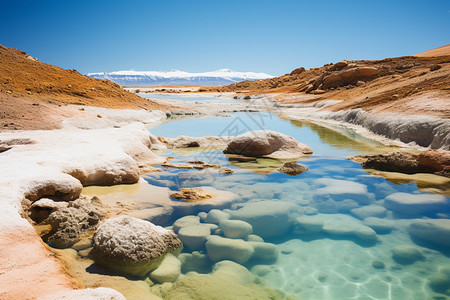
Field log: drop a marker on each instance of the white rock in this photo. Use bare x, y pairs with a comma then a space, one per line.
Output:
185, 222
308, 224
340, 190
264, 251
267, 143
268, 218
219, 248
415, 204
132, 246
236, 229
194, 237
344, 225
406, 254
49, 203
369, 211
254, 238
168, 271
433, 230
379, 225
216, 216
87, 294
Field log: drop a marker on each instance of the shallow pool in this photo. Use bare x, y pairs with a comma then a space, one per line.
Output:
338, 232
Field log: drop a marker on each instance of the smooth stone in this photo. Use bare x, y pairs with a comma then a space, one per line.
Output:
343, 225
379, 225
82, 244
440, 283
369, 211
254, 238
236, 229
195, 261
267, 143
220, 248
310, 211
268, 218
264, 251
168, 270
194, 237
406, 254
216, 216
185, 222
378, 264
308, 224
415, 204
436, 231
202, 215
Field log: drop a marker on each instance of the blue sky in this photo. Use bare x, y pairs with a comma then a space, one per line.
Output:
195, 36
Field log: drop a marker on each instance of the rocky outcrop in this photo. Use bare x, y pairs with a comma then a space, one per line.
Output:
430, 161
192, 194
345, 77
267, 143
131, 246
70, 222
293, 169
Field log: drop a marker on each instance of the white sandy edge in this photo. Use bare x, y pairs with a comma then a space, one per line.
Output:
28, 270
386, 128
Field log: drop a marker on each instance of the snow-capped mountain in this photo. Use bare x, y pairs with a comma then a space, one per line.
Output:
155, 78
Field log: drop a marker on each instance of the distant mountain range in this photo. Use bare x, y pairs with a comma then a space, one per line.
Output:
155, 78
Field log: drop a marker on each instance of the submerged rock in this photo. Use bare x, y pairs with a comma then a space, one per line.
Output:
292, 169
219, 248
267, 143
433, 230
194, 237
168, 271
415, 204
268, 218
406, 254
131, 246
236, 229
228, 281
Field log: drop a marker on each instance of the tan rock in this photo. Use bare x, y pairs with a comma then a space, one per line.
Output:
192, 194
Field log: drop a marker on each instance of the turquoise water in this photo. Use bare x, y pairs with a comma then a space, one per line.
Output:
349, 257
193, 98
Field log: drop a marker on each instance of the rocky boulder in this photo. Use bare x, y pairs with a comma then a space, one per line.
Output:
267, 143
268, 218
293, 169
436, 231
346, 77
392, 162
415, 204
68, 223
131, 246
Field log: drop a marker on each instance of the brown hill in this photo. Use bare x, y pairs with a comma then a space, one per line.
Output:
418, 85
32, 90
441, 51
